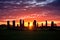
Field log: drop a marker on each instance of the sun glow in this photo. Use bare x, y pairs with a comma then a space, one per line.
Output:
30, 25
26, 24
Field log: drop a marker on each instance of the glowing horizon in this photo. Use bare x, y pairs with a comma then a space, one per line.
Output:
31, 23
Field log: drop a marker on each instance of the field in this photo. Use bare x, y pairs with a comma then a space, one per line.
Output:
30, 35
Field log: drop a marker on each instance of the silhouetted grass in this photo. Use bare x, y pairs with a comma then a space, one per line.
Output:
30, 35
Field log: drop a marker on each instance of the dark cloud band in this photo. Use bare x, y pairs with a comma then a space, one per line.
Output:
31, 3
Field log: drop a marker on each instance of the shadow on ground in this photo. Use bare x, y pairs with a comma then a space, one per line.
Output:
30, 35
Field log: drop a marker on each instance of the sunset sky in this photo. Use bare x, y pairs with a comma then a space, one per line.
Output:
30, 10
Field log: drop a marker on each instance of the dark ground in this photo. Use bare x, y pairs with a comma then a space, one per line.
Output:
30, 35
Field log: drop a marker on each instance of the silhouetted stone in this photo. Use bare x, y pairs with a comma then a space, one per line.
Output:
8, 24
46, 24
21, 24
13, 24
34, 25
